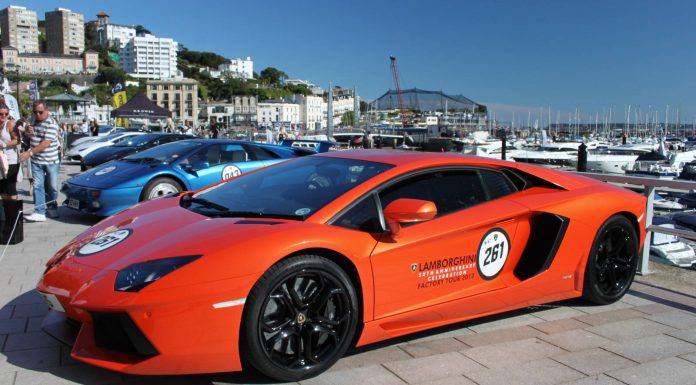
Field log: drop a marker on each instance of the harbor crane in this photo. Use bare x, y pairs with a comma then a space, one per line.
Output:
395, 72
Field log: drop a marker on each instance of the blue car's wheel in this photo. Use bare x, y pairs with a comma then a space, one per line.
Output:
300, 318
160, 187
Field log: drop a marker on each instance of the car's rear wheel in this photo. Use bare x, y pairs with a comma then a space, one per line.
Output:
160, 187
300, 318
612, 262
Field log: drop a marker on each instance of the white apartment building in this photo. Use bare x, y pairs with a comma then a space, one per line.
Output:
238, 68
241, 110
113, 34
343, 101
274, 113
20, 29
149, 57
65, 32
312, 112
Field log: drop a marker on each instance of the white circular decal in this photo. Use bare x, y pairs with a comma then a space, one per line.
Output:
104, 242
105, 170
230, 171
302, 211
492, 253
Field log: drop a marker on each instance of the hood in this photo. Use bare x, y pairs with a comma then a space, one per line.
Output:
106, 154
161, 229
114, 173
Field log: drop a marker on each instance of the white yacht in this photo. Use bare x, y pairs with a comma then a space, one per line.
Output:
615, 159
558, 154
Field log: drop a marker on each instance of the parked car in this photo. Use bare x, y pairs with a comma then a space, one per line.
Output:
127, 147
167, 169
289, 266
76, 153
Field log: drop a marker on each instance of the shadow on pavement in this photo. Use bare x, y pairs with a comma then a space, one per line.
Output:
29, 348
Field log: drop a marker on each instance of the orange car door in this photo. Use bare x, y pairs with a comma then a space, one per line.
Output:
460, 253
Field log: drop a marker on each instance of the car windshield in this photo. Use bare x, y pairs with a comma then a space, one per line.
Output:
294, 190
138, 141
166, 153
105, 129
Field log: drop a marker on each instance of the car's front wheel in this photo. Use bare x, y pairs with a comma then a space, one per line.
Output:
300, 317
612, 263
160, 187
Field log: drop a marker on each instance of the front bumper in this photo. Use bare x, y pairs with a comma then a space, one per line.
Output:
101, 202
151, 332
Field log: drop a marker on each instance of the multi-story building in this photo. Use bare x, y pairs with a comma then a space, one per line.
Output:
180, 96
113, 34
19, 29
343, 101
240, 111
34, 63
312, 112
149, 57
238, 68
65, 32
278, 113
313, 88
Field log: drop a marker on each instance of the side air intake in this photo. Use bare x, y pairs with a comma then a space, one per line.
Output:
547, 231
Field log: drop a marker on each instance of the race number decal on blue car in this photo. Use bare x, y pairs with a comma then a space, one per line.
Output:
492, 253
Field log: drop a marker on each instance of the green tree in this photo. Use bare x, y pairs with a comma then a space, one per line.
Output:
348, 119
272, 76
139, 30
110, 75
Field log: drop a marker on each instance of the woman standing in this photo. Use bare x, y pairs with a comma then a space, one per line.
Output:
94, 128
8, 143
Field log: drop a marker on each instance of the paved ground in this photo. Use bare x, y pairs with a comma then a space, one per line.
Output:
647, 338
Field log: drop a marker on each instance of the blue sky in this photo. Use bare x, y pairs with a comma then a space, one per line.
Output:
589, 55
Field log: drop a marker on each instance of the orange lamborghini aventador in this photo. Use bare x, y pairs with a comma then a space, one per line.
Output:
287, 267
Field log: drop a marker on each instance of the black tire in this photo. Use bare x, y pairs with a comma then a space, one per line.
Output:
160, 187
612, 263
300, 318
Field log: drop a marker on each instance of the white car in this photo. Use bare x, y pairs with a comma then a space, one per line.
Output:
76, 153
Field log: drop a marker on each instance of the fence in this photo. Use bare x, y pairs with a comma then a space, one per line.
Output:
649, 186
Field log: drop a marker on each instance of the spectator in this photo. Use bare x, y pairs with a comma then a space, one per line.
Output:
44, 162
84, 127
169, 126
94, 128
214, 131
8, 143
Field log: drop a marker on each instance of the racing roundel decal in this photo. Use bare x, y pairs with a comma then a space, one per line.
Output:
104, 242
105, 170
493, 253
230, 171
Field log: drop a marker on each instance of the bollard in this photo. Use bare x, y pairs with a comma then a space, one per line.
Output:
582, 157
503, 138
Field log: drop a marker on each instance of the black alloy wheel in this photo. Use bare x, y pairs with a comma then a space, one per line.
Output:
613, 261
301, 318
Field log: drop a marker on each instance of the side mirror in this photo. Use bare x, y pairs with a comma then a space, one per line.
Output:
405, 210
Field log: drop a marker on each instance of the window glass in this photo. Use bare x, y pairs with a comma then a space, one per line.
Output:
363, 216
449, 190
497, 184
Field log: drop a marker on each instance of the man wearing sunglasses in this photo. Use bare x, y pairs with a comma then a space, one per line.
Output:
44, 162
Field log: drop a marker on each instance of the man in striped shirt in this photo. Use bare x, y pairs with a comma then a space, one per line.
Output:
44, 162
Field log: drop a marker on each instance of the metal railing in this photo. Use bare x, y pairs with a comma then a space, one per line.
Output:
649, 185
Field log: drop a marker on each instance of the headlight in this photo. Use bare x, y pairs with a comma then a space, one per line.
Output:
135, 277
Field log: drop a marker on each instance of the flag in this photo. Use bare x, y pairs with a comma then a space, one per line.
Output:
118, 98
33, 91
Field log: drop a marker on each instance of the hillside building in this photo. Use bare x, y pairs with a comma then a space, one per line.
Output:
180, 96
19, 29
65, 32
149, 57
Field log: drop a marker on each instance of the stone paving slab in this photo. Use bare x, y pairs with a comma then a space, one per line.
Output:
594, 361
630, 329
651, 348
575, 340
433, 368
497, 356
539, 372
669, 371
600, 379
